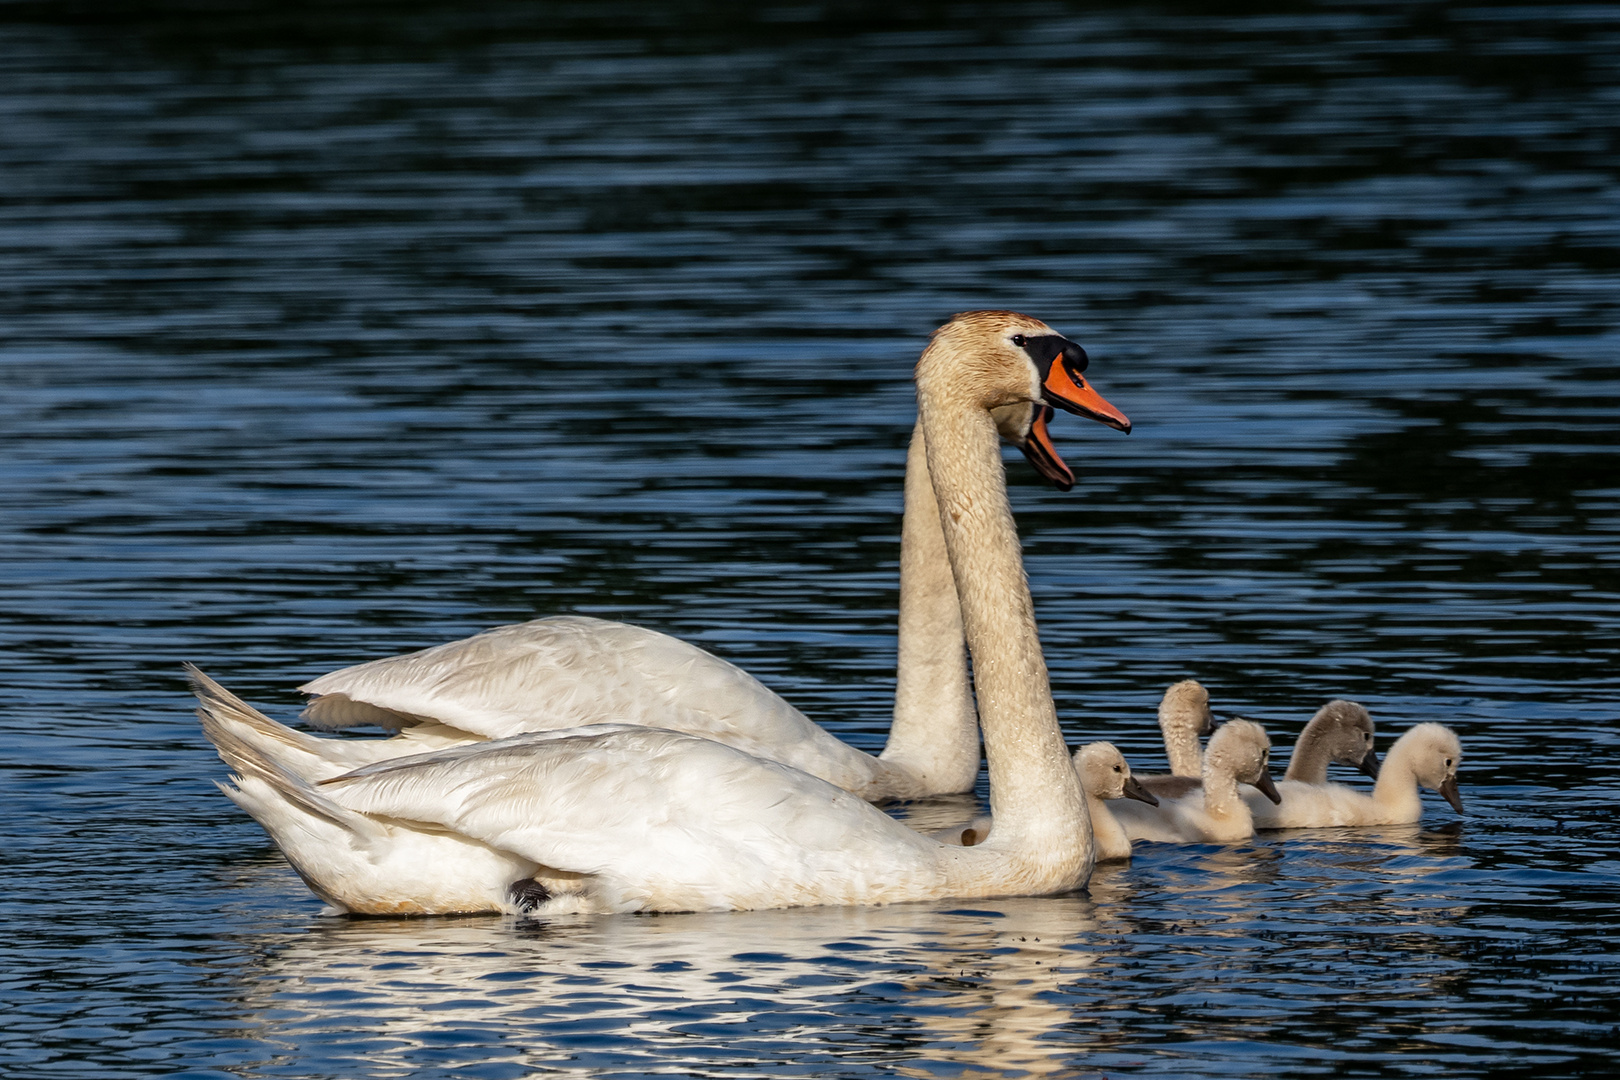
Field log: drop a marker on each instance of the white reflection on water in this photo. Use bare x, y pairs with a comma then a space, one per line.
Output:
1010, 987
964, 986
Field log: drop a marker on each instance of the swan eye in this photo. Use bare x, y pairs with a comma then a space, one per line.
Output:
1448, 763
1020, 340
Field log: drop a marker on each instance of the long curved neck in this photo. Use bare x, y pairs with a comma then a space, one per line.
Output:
1221, 798
1111, 839
1035, 797
935, 734
1181, 746
1309, 761
1397, 787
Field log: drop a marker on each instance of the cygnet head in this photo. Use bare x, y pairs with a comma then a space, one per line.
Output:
1105, 775
1435, 755
996, 358
1348, 735
1024, 424
1242, 749
1185, 707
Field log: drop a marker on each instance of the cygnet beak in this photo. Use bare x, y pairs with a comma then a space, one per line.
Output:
1135, 790
1369, 764
1037, 447
1268, 789
1448, 790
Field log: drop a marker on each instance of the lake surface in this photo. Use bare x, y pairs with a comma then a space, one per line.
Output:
332, 335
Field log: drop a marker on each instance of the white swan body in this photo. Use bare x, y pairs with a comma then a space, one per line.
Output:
354, 862
1104, 776
729, 830
1426, 756
624, 818
565, 671
1214, 813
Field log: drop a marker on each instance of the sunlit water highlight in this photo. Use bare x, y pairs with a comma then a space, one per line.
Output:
333, 336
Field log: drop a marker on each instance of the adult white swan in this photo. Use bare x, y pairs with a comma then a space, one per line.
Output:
619, 818
567, 671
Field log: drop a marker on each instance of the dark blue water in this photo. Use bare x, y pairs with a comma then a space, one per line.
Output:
329, 334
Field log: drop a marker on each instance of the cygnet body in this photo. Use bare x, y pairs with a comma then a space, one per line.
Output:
1106, 776
1427, 756
1238, 752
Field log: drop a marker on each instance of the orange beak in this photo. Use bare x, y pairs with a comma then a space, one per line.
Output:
1066, 388
1037, 447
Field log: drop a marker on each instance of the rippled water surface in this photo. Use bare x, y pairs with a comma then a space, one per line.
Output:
342, 333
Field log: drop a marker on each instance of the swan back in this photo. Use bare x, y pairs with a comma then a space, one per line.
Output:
570, 670
1340, 733
353, 862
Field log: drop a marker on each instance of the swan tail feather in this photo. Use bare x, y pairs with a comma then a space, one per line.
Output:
240, 733
220, 701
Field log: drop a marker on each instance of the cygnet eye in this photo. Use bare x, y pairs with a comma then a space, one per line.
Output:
1448, 763
1116, 768
1020, 340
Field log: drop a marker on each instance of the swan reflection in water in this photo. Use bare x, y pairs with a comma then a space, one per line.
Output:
972, 985
981, 988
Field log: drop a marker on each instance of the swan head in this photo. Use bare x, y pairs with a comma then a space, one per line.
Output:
1436, 752
1348, 735
1185, 708
1024, 424
998, 358
1105, 774
1242, 749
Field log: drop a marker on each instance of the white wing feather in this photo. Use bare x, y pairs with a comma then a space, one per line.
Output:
659, 819
571, 671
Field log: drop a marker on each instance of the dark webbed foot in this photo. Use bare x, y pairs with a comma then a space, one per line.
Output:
528, 894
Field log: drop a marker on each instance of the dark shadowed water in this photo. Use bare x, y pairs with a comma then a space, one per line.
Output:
331, 334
